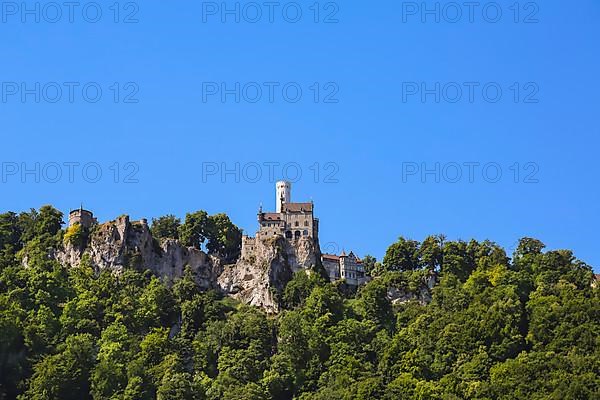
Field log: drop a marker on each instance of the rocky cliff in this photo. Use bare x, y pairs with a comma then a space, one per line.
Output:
257, 279
119, 244
401, 292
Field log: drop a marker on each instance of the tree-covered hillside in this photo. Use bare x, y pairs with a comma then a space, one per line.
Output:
519, 326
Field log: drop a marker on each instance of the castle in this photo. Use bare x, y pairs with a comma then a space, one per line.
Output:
294, 221
347, 267
291, 220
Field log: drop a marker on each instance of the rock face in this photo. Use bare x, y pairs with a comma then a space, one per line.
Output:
398, 295
121, 243
259, 278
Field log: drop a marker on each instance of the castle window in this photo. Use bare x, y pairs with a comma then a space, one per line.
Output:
297, 223
305, 233
305, 223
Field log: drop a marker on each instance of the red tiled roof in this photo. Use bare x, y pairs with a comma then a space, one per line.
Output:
271, 216
297, 207
333, 257
330, 257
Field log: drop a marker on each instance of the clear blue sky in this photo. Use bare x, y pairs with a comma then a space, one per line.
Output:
370, 61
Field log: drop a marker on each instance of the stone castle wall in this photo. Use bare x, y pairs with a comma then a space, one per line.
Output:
332, 268
298, 225
248, 246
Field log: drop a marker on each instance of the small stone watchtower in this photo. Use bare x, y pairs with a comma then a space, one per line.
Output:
82, 217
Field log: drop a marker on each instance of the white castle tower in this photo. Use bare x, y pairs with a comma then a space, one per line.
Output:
283, 193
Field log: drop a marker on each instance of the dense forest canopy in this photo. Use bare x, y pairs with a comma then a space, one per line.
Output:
498, 326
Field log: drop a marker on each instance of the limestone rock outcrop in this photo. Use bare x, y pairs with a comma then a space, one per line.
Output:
119, 244
259, 278
398, 294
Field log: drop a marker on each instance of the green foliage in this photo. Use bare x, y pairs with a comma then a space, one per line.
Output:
10, 238
194, 230
65, 375
48, 221
16, 231
374, 304
370, 265
166, 227
493, 328
75, 235
431, 252
299, 288
224, 238
114, 352
402, 256
546, 375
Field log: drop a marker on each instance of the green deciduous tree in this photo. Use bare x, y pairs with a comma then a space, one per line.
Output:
65, 375
194, 230
109, 377
402, 256
299, 288
374, 304
10, 239
166, 227
224, 238
466, 322
370, 265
